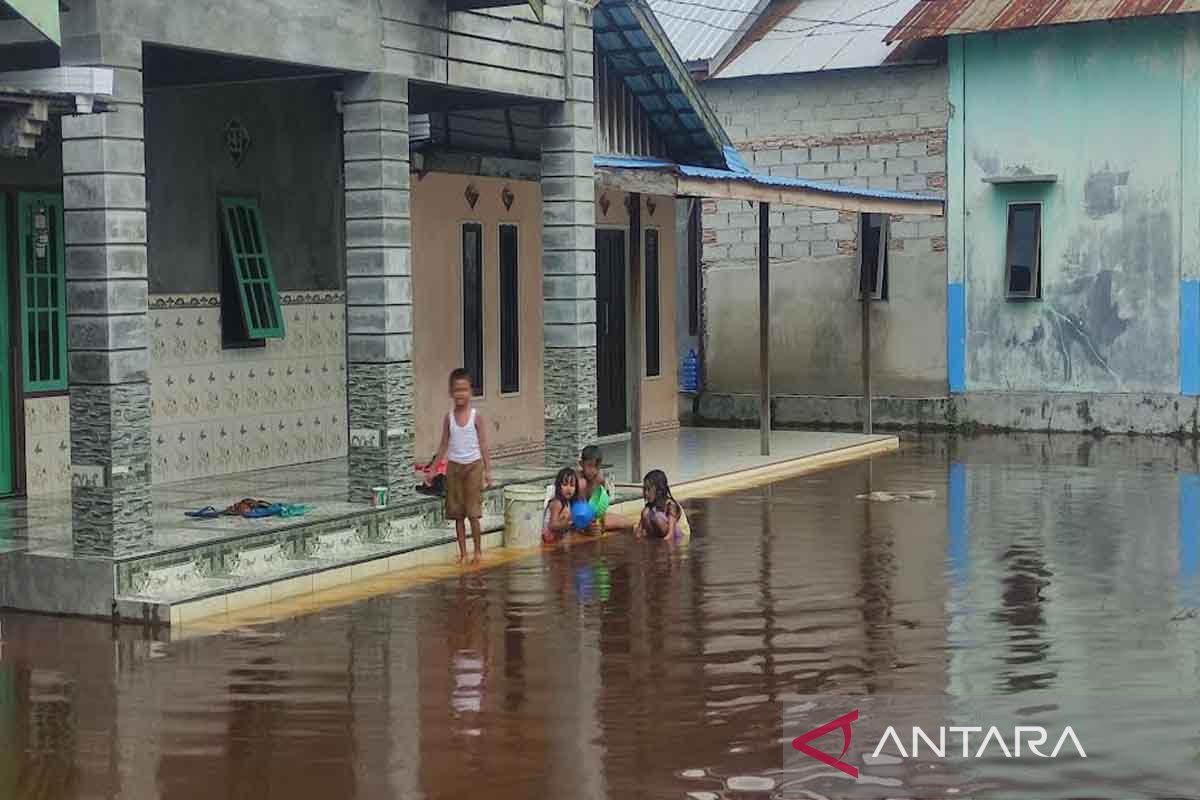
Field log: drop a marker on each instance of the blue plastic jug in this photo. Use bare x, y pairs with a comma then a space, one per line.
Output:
689, 380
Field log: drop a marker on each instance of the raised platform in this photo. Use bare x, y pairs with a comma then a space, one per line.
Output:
197, 568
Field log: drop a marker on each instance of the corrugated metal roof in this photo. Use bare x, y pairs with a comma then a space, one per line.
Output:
932, 18
629, 36
698, 29
692, 171
822, 35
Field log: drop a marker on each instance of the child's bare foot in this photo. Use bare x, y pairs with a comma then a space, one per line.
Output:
475, 558
462, 557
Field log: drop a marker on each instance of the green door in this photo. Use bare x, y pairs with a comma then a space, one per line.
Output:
41, 277
6, 426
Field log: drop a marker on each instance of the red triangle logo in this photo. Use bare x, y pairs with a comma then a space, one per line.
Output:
801, 743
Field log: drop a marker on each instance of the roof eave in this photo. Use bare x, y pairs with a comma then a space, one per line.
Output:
655, 176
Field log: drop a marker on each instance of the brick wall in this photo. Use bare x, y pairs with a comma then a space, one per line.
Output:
879, 128
874, 128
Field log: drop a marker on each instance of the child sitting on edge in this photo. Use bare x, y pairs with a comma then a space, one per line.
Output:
557, 521
592, 485
663, 517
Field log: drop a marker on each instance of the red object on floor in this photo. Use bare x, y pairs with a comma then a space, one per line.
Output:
424, 469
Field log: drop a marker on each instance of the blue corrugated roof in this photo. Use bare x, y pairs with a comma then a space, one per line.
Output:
745, 176
627, 34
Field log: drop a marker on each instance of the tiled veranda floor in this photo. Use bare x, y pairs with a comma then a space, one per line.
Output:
43, 524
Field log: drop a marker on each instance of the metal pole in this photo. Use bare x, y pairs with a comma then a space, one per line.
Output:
866, 290
764, 325
636, 346
866, 362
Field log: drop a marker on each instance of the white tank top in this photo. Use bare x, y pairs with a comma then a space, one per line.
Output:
464, 441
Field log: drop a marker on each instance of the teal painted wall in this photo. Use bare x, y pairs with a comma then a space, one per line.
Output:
1105, 107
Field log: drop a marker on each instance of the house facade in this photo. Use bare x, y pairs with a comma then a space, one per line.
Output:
1071, 214
835, 104
1062, 144
223, 273
294, 220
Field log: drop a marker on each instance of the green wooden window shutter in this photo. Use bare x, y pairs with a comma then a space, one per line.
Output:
251, 262
43, 293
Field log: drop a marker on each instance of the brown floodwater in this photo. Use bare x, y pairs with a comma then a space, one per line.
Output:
1048, 583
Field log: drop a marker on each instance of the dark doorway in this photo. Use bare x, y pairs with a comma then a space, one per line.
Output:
610, 332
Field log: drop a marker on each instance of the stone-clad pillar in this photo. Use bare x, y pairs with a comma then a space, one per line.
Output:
569, 253
378, 283
104, 200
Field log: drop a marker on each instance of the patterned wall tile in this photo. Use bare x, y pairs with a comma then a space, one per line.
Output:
47, 445
217, 411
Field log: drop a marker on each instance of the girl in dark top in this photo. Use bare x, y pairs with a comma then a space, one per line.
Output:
663, 517
557, 521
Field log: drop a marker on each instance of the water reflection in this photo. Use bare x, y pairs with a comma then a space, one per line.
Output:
1051, 582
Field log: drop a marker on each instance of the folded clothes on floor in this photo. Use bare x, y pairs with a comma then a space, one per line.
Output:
250, 508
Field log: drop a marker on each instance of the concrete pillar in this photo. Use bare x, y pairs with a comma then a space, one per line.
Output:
104, 198
378, 283
569, 253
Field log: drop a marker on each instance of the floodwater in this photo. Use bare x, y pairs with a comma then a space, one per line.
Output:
1049, 583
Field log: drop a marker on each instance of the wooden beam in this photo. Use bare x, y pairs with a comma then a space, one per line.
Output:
643, 181
636, 346
764, 326
799, 196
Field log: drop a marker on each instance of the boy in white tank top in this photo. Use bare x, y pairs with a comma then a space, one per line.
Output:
468, 468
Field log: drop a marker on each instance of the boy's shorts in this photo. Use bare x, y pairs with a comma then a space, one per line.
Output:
464, 490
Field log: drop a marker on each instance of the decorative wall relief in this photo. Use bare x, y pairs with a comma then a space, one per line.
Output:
47, 445
472, 195
216, 412
507, 197
237, 141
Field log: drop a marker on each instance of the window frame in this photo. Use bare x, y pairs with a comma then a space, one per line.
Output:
500, 316
879, 292
251, 334
646, 305
25, 204
477, 375
1035, 292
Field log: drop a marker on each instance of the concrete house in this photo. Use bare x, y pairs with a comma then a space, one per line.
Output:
811, 90
254, 272
1072, 289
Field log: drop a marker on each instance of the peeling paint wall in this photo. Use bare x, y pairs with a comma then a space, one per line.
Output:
1100, 107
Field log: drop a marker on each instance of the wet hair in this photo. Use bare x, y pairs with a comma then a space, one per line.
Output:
662, 490
590, 453
459, 374
564, 474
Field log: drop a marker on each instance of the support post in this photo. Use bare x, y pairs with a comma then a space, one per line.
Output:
378, 283
569, 253
636, 337
104, 200
868, 423
764, 325
866, 289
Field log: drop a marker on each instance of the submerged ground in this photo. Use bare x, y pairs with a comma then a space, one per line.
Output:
1049, 583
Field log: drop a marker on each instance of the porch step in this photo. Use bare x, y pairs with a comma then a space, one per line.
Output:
257, 574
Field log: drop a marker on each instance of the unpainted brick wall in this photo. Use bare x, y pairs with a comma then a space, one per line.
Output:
882, 128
